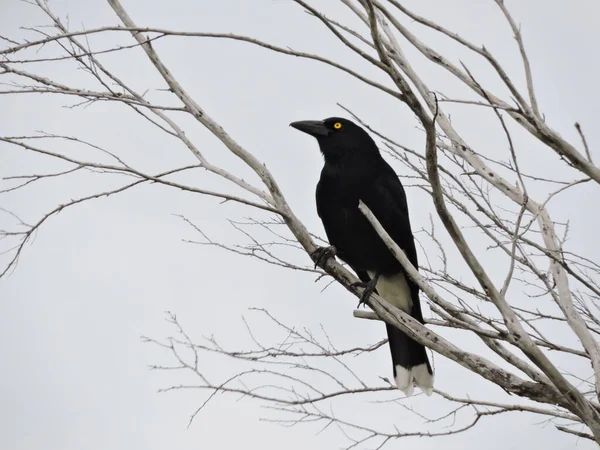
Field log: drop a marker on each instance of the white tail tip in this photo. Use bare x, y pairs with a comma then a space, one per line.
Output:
419, 375
404, 380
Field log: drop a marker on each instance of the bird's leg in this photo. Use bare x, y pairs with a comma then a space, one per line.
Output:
368, 287
322, 254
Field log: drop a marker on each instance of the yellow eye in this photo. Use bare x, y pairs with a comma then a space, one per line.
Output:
337, 125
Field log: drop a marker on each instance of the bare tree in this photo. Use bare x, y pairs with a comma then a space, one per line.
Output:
482, 202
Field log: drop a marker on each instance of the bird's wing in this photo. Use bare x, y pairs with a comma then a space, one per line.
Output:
387, 201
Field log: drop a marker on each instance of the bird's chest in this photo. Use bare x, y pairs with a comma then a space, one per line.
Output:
348, 229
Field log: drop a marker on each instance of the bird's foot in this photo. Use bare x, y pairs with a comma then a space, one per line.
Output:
368, 287
322, 254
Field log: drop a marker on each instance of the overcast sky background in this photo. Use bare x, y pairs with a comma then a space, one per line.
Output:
97, 277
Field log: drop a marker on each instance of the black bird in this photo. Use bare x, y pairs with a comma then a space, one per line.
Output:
355, 170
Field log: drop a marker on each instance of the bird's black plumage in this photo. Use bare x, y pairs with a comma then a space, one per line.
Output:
355, 170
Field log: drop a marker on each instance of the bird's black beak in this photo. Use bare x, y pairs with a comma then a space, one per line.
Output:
313, 127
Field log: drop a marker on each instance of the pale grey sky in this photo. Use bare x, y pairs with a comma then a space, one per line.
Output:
98, 276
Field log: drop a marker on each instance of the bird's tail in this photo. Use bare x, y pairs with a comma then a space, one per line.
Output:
411, 363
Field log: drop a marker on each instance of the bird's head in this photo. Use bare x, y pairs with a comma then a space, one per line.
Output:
341, 141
